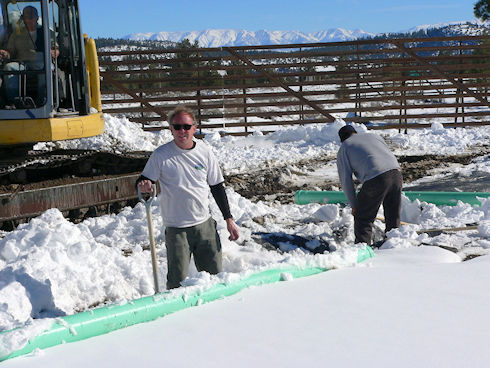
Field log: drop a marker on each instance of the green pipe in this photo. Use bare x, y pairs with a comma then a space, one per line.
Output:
110, 318
437, 198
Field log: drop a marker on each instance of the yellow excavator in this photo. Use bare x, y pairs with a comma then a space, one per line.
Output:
49, 74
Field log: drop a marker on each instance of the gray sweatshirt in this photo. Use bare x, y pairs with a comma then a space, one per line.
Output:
367, 156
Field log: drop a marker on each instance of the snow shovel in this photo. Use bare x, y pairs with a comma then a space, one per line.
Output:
154, 264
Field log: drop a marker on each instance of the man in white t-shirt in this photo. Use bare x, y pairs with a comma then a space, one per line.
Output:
187, 171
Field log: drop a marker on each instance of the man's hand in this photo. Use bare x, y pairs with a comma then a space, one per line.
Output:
55, 53
145, 186
4, 54
353, 211
232, 229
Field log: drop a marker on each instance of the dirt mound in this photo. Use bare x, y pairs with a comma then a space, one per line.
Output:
277, 182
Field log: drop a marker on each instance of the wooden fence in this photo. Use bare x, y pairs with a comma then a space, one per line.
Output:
391, 83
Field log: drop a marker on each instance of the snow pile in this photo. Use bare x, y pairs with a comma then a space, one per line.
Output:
438, 140
19, 310
53, 267
64, 270
120, 135
289, 144
50, 267
286, 145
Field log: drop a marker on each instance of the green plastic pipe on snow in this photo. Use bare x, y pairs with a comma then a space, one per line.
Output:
437, 198
110, 318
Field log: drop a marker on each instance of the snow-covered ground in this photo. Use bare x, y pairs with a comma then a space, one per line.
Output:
411, 305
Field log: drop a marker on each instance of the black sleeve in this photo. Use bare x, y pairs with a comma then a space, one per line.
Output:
141, 178
219, 195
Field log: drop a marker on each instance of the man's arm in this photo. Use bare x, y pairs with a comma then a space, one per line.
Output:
219, 195
11, 47
345, 175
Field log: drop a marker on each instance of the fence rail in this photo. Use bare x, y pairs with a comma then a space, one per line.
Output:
392, 83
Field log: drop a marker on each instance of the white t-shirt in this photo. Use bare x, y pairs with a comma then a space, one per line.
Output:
185, 177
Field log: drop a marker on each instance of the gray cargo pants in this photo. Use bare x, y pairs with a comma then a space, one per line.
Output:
383, 189
202, 241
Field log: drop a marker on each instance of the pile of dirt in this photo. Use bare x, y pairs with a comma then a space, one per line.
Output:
268, 183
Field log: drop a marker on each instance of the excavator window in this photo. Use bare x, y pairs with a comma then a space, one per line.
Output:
23, 61
44, 85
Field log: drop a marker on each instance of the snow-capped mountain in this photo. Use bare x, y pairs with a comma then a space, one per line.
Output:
231, 37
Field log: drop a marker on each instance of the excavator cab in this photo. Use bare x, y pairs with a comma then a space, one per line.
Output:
49, 77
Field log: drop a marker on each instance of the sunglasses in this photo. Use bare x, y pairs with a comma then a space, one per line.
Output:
180, 126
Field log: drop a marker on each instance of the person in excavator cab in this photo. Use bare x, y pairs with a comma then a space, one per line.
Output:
24, 51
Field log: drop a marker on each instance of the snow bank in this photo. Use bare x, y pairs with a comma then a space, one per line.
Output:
54, 268
120, 135
50, 267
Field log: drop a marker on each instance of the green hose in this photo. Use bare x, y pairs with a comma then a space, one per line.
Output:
437, 198
110, 318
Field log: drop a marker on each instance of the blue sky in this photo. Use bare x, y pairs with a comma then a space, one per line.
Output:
122, 17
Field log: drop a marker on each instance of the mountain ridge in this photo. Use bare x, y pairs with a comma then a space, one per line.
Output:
234, 37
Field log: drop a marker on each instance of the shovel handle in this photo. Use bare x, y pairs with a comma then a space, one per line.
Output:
149, 200
153, 250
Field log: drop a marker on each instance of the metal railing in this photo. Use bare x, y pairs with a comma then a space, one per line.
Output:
384, 83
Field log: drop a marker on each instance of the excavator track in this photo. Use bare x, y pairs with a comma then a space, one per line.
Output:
79, 183
13, 169
37, 167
